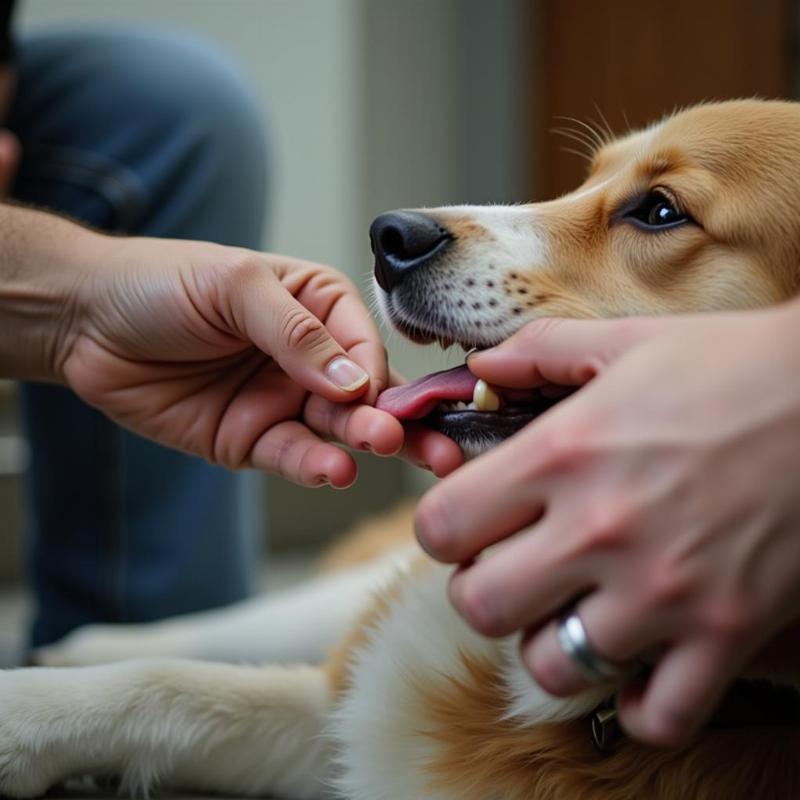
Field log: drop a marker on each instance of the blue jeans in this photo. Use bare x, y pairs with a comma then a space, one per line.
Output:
147, 133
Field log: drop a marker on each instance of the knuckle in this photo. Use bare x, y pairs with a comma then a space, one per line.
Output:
299, 329
477, 606
538, 329
434, 527
561, 447
321, 416
553, 453
548, 673
331, 284
244, 267
282, 457
347, 285
666, 726
731, 618
607, 525
667, 587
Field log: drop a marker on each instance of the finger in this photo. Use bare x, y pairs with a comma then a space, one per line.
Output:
521, 583
288, 331
359, 426
680, 695
483, 502
9, 161
619, 631
431, 450
350, 324
335, 300
262, 395
291, 450
564, 352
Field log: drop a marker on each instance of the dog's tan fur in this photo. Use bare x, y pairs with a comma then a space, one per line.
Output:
421, 707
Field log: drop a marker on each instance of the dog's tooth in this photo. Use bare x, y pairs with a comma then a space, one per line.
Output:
484, 397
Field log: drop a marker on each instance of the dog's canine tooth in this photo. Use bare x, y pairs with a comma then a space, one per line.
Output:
484, 397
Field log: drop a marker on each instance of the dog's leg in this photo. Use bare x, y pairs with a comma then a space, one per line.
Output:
298, 624
178, 724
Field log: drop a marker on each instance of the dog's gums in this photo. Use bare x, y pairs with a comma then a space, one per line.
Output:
472, 413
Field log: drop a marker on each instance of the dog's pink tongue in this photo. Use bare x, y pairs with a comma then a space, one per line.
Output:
417, 399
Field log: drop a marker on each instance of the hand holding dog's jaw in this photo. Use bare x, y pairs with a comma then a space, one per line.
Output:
561, 352
671, 514
363, 427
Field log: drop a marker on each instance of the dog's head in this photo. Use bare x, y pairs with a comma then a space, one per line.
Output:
698, 212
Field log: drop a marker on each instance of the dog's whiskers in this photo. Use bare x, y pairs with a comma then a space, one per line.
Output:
581, 153
589, 145
603, 125
593, 135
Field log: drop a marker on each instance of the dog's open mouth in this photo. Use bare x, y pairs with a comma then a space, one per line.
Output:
477, 416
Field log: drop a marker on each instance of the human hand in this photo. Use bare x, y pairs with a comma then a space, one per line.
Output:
661, 498
226, 353
422, 446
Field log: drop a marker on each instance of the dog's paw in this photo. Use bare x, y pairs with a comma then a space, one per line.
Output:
101, 644
28, 766
21, 774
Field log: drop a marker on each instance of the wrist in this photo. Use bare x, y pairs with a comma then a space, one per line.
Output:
45, 261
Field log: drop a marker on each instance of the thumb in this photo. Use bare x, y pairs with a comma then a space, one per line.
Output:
281, 326
9, 161
566, 352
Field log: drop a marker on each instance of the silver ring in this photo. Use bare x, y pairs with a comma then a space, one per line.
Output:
575, 644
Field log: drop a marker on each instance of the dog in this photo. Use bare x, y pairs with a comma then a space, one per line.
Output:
698, 212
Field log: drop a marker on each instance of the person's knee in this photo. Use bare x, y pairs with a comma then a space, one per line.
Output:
197, 84
166, 107
195, 93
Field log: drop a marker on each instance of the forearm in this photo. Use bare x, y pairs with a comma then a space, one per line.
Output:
44, 262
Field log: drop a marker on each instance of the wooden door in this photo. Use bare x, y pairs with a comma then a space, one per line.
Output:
631, 62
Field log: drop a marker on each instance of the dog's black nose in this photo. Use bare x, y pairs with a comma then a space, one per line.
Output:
403, 241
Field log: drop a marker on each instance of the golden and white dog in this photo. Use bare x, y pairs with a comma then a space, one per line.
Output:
698, 212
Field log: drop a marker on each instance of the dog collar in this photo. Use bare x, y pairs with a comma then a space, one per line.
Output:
747, 704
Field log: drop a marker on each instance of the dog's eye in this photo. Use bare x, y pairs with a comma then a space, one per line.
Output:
656, 210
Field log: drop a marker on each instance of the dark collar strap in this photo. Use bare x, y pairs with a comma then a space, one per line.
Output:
747, 704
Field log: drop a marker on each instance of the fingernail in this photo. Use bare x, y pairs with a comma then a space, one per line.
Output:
346, 374
473, 353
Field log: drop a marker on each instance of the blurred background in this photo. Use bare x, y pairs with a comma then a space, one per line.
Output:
380, 104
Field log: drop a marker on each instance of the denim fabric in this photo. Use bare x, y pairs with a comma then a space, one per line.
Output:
146, 133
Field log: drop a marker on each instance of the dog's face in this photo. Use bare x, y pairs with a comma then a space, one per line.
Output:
699, 212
